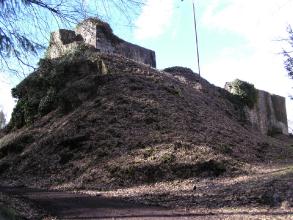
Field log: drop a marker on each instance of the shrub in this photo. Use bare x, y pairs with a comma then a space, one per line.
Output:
178, 69
245, 91
56, 84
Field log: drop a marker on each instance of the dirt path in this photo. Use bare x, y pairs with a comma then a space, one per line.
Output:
69, 205
265, 194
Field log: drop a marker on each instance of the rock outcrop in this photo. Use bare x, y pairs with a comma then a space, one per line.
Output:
268, 114
98, 34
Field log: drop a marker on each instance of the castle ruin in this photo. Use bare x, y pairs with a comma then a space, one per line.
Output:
268, 114
98, 34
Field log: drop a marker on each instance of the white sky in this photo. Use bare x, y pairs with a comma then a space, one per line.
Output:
6, 101
237, 40
261, 23
153, 21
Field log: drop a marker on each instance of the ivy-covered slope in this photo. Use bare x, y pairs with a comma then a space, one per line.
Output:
51, 86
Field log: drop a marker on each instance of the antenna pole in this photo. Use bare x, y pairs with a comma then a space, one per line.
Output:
196, 37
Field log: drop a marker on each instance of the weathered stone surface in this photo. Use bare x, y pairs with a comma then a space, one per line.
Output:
268, 114
99, 35
61, 42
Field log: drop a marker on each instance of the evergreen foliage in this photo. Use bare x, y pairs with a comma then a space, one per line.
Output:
25, 25
54, 85
245, 91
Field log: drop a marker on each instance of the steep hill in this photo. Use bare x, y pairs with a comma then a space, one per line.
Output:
100, 121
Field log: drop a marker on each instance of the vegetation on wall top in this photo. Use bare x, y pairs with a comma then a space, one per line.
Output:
245, 91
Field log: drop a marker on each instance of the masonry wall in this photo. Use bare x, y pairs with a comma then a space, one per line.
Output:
99, 35
61, 42
269, 114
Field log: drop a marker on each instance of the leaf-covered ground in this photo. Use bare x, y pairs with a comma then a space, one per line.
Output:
105, 123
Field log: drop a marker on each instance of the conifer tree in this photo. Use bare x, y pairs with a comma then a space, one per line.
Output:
26, 24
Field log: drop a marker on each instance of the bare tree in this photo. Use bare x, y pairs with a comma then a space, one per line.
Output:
288, 63
26, 24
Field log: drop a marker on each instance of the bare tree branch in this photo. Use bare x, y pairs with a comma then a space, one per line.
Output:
25, 25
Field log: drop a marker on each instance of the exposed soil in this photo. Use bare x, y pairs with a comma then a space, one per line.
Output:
126, 130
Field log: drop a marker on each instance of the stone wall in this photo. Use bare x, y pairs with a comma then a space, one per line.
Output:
61, 42
99, 35
268, 114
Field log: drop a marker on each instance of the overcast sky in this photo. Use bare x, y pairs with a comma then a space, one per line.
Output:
237, 39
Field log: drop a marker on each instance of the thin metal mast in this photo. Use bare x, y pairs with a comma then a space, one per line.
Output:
196, 37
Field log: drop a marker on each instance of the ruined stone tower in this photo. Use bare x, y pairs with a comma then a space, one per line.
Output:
98, 34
